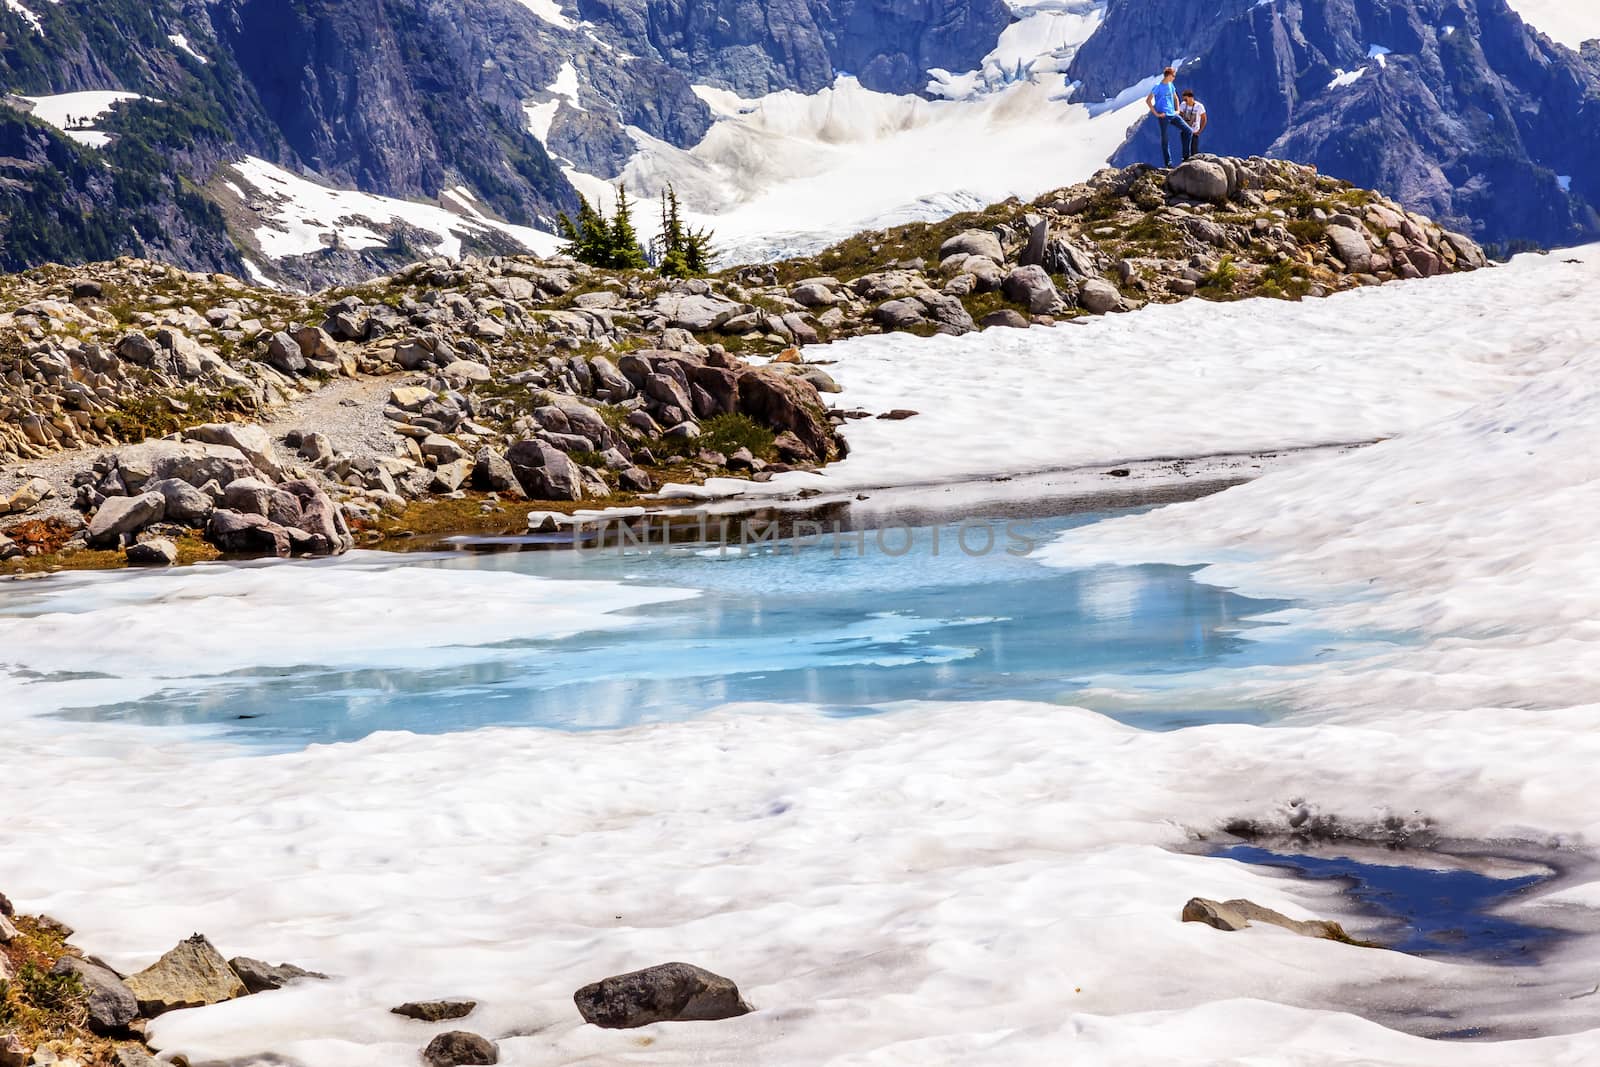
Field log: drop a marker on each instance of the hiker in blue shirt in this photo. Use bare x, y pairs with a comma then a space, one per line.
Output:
1163, 104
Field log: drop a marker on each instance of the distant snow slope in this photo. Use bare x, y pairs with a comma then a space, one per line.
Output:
300, 217
76, 113
1571, 22
790, 173
1194, 378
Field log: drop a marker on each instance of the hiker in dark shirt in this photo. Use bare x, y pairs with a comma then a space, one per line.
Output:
1163, 104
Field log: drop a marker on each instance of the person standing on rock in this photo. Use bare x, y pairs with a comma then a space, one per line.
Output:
1163, 104
1193, 113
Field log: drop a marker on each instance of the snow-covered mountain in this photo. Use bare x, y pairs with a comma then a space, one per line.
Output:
320, 139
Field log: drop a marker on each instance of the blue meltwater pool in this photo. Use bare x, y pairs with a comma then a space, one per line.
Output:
847, 626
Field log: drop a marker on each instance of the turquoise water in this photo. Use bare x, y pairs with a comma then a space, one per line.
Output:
827, 625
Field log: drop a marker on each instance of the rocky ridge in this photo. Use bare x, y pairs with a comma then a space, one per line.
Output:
487, 380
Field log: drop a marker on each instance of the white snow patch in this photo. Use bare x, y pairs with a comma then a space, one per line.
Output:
303, 217
1565, 181
1378, 52
76, 113
540, 116
1569, 22
1041, 42
181, 42
566, 84
1473, 533
550, 11
28, 16
1343, 78
1195, 378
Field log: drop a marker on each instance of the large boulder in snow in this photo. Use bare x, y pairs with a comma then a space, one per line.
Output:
671, 992
192, 975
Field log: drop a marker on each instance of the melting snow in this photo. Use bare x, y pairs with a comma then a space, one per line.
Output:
1343, 78
1570, 22
302, 217
1126, 387
76, 113
973, 883
550, 11
181, 42
28, 16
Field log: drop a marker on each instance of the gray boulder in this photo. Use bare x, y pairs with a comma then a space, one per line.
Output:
192, 462
259, 976
1351, 248
670, 992
1006, 317
1098, 297
121, 515
251, 535
157, 552
898, 314
435, 1011
458, 1048
283, 353
1199, 179
1239, 914
973, 243
320, 519
251, 441
1038, 241
112, 1005
948, 312
1032, 288
191, 975
184, 503
138, 349
695, 312
814, 295
493, 474
544, 471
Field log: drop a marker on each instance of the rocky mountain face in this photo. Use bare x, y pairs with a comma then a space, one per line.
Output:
1455, 107
803, 44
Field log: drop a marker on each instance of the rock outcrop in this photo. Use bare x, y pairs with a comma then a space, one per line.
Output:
191, 975
1458, 111
670, 992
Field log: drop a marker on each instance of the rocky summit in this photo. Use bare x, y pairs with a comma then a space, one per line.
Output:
161, 414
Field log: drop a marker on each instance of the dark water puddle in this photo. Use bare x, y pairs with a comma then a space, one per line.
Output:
1425, 912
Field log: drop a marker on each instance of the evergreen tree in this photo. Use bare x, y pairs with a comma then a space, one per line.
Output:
683, 252
599, 242
625, 251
